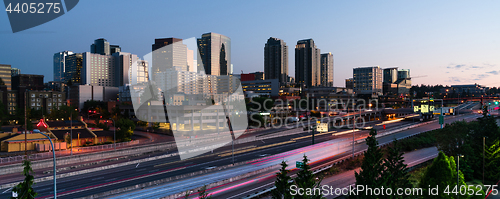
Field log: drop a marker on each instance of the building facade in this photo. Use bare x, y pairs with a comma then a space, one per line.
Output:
276, 60
46, 100
349, 83
390, 75
403, 73
60, 65
215, 52
15, 71
27, 81
269, 87
99, 70
169, 53
6, 75
367, 80
307, 63
326, 77
73, 69
100, 46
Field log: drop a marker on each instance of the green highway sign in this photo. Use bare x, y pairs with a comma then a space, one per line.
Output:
299, 165
441, 119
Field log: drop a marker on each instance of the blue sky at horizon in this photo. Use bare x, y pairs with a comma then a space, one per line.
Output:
449, 42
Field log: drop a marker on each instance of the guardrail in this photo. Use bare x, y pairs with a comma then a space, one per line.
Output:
328, 165
37, 156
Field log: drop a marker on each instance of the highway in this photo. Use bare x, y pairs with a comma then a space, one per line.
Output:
109, 179
319, 153
246, 187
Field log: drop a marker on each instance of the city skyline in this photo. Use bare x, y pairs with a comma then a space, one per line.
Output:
447, 46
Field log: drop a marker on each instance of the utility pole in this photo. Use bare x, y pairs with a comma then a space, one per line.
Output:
458, 169
353, 126
25, 124
484, 140
71, 130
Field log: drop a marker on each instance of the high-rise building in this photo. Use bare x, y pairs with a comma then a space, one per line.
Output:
368, 80
390, 75
215, 52
276, 60
100, 46
130, 69
114, 49
5, 76
99, 70
307, 63
15, 71
169, 53
60, 65
327, 69
73, 69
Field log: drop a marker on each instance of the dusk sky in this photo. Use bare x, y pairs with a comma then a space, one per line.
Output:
448, 42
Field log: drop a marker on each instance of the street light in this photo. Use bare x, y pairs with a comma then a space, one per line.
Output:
458, 169
114, 133
71, 130
54, 160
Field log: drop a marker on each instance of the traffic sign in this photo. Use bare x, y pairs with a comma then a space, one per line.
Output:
299, 165
322, 127
441, 119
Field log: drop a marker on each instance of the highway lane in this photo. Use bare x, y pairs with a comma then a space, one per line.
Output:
347, 178
252, 185
121, 177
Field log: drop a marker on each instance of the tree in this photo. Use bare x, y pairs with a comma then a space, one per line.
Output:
492, 162
282, 183
438, 174
485, 128
203, 193
125, 129
372, 166
305, 179
454, 139
25, 189
396, 172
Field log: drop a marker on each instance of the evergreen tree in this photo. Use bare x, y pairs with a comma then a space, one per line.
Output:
485, 128
202, 194
438, 174
305, 179
282, 183
396, 172
25, 189
492, 162
372, 166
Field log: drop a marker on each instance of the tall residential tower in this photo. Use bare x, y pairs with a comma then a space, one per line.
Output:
276, 60
60, 65
327, 69
307, 63
215, 52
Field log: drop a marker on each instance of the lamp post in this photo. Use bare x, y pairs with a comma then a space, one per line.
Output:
54, 160
114, 133
71, 134
458, 169
353, 128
